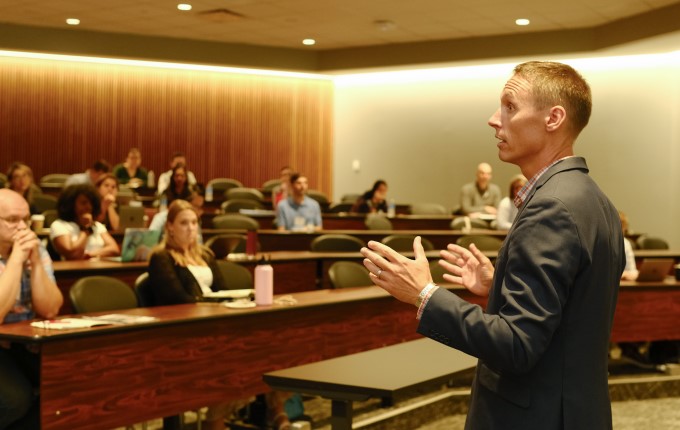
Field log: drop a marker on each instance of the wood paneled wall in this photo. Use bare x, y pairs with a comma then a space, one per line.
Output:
58, 117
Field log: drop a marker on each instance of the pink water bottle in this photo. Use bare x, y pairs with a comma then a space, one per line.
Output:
264, 283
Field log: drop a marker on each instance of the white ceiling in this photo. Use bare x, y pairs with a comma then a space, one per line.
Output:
333, 23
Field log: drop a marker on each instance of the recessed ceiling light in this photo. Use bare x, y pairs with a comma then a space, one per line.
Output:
184, 6
72, 21
522, 21
309, 42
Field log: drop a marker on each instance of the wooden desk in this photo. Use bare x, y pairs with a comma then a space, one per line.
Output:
197, 355
386, 373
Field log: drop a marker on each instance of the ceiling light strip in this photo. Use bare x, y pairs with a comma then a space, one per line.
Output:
160, 65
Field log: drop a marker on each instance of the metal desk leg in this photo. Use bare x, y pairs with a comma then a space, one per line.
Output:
341, 415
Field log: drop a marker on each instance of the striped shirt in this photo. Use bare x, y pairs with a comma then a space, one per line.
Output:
526, 189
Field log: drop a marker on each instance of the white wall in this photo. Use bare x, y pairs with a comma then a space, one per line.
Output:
425, 135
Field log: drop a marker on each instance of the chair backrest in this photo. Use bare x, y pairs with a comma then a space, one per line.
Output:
318, 196
236, 276
235, 205
336, 208
482, 242
235, 221
337, 243
225, 244
428, 209
222, 185
350, 198
404, 242
377, 222
459, 223
145, 297
50, 216
344, 274
101, 293
271, 184
54, 179
650, 242
437, 272
44, 202
243, 193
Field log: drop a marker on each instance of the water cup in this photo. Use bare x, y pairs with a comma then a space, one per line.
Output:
37, 222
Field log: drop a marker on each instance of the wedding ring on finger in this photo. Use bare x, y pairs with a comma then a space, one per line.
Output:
379, 273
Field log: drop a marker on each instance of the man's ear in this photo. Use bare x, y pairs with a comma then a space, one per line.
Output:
556, 118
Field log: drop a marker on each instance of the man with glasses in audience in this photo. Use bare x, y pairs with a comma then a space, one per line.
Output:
27, 289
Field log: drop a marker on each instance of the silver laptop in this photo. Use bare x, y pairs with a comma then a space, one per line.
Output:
131, 217
654, 269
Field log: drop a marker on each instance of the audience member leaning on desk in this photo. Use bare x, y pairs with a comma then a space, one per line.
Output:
27, 288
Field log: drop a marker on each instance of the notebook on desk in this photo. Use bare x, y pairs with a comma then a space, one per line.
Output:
654, 269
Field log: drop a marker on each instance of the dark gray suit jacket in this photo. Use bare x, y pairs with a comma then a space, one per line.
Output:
542, 342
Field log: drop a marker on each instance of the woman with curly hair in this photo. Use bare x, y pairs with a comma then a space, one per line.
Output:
76, 235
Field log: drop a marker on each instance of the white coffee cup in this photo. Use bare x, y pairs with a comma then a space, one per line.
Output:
37, 222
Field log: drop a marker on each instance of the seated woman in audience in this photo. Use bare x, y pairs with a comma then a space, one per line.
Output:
630, 272
107, 188
131, 171
372, 200
506, 208
20, 179
182, 271
179, 187
76, 235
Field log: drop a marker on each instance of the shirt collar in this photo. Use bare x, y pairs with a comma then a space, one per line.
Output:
526, 189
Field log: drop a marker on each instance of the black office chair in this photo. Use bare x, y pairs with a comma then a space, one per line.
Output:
235, 205
222, 185
650, 242
377, 222
404, 242
236, 276
242, 193
482, 242
350, 198
345, 274
101, 293
318, 196
428, 209
50, 216
235, 222
337, 243
459, 223
269, 185
437, 272
145, 297
225, 244
44, 202
337, 208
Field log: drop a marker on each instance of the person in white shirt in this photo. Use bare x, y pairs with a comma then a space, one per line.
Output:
507, 211
178, 158
76, 235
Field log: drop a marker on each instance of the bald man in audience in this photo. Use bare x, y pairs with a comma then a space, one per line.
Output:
27, 289
481, 196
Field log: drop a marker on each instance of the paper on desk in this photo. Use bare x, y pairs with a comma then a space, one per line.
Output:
85, 322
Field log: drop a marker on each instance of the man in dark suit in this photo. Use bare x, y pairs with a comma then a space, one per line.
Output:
542, 340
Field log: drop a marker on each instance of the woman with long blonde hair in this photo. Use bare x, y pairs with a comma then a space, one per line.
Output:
180, 269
